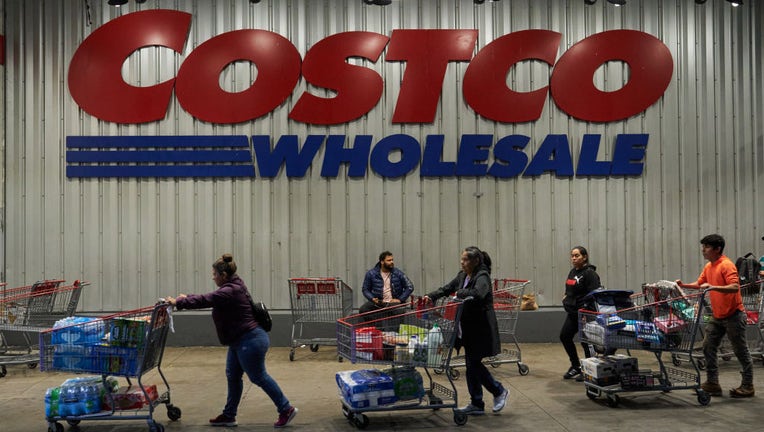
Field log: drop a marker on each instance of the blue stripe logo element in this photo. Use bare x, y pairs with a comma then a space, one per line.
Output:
158, 156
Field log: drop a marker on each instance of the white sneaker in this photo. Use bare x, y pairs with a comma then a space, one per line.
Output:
500, 401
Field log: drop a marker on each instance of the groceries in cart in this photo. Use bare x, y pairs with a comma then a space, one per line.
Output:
407, 345
616, 320
98, 345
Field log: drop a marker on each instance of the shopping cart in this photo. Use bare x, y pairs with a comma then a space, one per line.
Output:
507, 296
127, 344
29, 310
669, 325
316, 301
389, 337
751, 294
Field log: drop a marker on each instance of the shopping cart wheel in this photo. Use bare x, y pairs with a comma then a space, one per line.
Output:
173, 412
314, 347
592, 393
675, 360
702, 364
55, 427
3, 371
523, 369
460, 418
453, 373
32, 365
291, 355
438, 371
360, 421
727, 357
703, 398
73, 422
613, 400
155, 427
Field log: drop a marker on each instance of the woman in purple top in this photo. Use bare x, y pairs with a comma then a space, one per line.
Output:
247, 342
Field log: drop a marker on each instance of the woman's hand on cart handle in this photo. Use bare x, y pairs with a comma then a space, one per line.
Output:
174, 300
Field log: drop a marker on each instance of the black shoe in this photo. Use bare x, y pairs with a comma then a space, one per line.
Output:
471, 410
572, 373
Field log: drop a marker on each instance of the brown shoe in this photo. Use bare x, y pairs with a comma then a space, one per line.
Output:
744, 391
712, 388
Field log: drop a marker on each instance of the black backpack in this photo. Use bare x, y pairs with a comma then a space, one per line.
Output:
260, 312
747, 269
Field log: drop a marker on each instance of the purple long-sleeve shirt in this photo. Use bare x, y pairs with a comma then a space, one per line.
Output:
231, 310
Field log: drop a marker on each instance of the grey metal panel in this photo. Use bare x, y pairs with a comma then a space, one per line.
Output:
137, 240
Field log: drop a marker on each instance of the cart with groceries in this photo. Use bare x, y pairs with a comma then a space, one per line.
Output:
657, 326
507, 298
751, 294
26, 311
316, 301
127, 344
401, 339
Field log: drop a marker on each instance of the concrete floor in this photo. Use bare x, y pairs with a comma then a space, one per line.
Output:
540, 401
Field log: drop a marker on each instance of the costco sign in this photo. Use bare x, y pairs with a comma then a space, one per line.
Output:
96, 84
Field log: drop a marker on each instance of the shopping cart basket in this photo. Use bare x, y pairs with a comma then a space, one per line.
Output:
316, 301
29, 310
507, 297
751, 294
403, 337
668, 325
127, 344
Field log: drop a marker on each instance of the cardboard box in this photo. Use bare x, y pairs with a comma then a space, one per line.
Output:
127, 332
598, 367
130, 398
638, 380
624, 364
366, 388
602, 382
116, 360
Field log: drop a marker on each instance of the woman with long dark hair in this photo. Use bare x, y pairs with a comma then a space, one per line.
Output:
479, 333
582, 279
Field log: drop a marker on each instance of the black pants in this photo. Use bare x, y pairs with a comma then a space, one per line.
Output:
567, 333
478, 377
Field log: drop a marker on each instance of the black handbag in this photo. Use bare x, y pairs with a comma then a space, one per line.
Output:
261, 314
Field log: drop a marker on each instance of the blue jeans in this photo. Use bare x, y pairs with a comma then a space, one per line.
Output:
248, 355
734, 326
478, 377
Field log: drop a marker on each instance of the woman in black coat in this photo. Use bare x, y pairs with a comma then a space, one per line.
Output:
479, 331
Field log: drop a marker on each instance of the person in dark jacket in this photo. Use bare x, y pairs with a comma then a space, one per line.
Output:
479, 331
247, 342
582, 279
385, 285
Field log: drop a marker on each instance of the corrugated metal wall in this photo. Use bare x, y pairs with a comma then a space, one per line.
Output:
139, 239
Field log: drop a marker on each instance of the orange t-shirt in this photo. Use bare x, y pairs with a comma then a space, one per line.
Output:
720, 273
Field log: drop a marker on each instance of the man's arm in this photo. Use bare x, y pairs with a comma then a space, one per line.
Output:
366, 289
408, 287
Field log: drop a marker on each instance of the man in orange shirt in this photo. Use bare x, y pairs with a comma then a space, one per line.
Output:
720, 278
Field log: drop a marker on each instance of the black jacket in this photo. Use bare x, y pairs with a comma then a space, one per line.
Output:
480, 331
580, 282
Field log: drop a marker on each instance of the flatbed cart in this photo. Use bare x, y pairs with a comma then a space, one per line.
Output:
507, 297
383, 337
127, 344
32, 309
656, 327
317, 301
